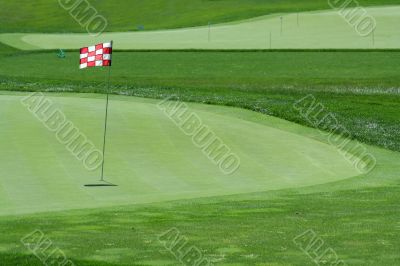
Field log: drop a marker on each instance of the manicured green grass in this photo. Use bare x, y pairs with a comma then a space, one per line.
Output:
360, 88
5, 49
312, 30
126, 15
141, 136
357, 217
360, 224
216, 70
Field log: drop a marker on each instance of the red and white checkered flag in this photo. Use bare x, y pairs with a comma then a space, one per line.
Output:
97, 55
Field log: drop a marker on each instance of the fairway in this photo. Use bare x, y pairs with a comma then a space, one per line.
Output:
308, 30
150, 158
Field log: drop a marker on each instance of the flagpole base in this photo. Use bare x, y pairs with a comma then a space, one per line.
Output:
104, 184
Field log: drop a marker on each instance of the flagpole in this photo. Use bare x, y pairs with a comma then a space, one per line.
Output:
105, 123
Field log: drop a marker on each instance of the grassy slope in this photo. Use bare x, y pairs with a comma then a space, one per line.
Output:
125, 15
366, 104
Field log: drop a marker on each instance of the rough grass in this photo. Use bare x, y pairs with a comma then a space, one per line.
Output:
231, 70
126, 15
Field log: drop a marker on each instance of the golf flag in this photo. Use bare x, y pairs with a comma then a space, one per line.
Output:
96, 56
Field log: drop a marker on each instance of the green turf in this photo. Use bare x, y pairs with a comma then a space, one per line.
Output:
151, 159
358, 218
126, 15
5, 49
325, 29
215, 70
265, 82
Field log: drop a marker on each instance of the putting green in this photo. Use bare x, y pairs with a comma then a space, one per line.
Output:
322, 29
149, 157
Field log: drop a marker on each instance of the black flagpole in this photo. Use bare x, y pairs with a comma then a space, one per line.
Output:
105, 125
